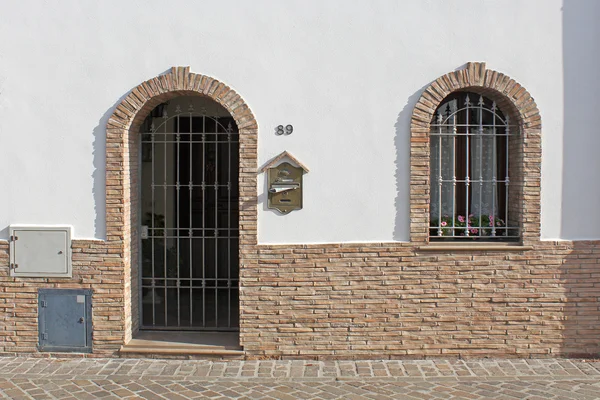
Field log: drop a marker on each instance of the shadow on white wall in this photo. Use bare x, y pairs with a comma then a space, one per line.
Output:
581, 143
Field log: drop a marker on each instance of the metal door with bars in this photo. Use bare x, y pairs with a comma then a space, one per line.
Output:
190, 221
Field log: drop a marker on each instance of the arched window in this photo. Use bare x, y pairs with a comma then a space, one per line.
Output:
470, 166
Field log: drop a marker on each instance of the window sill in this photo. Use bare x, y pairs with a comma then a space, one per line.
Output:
474, 247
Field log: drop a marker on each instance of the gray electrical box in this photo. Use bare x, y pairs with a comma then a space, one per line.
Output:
40, 251
65, 320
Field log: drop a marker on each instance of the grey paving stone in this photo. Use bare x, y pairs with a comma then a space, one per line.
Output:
416, 379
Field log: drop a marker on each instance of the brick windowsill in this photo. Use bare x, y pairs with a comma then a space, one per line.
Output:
474, 247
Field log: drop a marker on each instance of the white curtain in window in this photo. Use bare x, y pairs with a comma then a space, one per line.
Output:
482, 166
483, 158
443, 169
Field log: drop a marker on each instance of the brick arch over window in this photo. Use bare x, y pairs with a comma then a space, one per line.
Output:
513, 99
122, 150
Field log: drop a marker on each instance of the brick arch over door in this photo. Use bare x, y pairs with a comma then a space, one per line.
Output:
122, 148
513, 99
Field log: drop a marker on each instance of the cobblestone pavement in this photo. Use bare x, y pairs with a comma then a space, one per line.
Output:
29, 378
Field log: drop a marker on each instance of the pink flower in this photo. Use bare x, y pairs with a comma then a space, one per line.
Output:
474, 231
444, 223
461, 218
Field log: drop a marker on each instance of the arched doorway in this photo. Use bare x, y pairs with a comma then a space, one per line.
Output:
189, 192
124, 161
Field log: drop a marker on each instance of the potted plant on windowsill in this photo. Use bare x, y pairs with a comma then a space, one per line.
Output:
473, 226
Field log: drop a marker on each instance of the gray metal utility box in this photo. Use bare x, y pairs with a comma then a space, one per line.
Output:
40, 251
65, 320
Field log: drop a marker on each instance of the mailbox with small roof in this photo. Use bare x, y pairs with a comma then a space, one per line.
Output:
284, 181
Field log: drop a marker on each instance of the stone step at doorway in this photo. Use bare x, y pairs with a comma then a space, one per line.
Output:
178, 344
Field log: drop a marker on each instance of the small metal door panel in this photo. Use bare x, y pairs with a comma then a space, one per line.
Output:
65, 322
40, 251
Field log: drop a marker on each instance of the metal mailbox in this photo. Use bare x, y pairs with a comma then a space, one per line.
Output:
284, 183
285, 187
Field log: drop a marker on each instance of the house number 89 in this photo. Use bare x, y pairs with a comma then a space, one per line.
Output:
287, 130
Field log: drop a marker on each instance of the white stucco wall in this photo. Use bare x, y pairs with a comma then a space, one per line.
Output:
346, 74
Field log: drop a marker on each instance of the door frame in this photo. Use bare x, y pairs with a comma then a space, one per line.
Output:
122, 183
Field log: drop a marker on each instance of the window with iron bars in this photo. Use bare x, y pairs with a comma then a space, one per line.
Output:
470, 143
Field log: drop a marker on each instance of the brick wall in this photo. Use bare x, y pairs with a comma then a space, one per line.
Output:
363, 301
392, 300
97, 265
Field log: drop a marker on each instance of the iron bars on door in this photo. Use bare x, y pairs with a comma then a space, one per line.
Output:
189, 200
